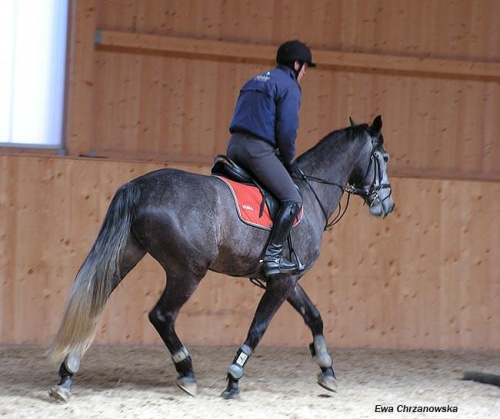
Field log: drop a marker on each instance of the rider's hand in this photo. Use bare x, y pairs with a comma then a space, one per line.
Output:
293, 168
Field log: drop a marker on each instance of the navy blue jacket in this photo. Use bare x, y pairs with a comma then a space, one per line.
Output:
268, 107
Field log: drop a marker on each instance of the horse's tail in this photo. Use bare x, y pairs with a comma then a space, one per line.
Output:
97, 278
482, 377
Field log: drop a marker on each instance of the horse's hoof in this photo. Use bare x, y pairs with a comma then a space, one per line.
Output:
327, 381
188, 385
230, 393
60, 393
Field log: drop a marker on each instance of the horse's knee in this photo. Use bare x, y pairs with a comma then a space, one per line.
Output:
158, 318
154, 317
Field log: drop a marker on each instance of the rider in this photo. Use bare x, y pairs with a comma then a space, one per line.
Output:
264, 129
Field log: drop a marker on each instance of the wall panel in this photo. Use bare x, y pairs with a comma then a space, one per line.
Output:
445, 29
170, 106
438, 126
425, 277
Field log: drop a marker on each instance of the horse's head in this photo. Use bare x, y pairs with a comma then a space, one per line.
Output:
369, 178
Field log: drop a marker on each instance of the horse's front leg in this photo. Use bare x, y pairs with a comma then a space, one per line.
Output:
303, 304
278, 289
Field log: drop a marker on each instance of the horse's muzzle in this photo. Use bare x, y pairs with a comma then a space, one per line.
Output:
381, 208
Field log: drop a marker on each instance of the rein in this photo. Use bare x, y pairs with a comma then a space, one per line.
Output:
338, 217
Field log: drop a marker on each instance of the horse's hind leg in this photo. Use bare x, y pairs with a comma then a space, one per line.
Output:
132, 254
163, 316
302, 303
62, 390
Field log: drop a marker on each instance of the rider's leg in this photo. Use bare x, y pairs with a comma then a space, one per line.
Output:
259, 157
273, 261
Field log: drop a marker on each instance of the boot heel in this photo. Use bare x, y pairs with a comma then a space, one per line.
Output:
280, 266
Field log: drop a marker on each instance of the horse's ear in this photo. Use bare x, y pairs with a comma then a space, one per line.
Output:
376, 127
352, 122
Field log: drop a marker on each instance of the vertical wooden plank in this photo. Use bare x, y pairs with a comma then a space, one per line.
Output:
491, 130
486, 219
26, 256
449, 128
276, 22
347, 17
467, 294
314, 15
191, 85
491, 258
150, 115
8, 238
211, 19
476, 220
50, 206
79, 131
194, 18
469, 142
226, 92
150, 18
230, 21
449, 271
409, 320
176, 117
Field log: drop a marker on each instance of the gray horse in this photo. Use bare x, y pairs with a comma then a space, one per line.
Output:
187, 222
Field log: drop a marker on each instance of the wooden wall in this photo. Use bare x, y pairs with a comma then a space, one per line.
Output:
157, 86
425, 277
430, 68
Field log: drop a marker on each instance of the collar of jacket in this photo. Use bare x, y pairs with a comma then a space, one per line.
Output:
287, 70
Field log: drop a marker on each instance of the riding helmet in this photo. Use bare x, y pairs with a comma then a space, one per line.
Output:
292, 51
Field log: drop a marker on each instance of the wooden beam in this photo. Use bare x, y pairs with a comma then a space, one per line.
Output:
204, 163
234, 50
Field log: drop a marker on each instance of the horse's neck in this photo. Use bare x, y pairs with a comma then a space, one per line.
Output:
333, 165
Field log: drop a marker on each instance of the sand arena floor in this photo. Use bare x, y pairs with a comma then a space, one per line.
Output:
138, 382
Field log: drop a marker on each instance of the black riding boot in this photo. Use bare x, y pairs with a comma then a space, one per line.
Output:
273, 261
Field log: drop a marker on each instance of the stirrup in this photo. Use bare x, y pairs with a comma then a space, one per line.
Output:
280, 265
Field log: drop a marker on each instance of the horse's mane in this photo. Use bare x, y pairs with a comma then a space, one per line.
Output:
335, 139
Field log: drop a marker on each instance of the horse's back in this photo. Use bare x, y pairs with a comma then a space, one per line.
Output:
178, 215
168, 185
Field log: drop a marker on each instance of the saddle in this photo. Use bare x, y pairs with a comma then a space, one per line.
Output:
225, 167
243, 187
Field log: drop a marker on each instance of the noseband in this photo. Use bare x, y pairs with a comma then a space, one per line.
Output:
370, 195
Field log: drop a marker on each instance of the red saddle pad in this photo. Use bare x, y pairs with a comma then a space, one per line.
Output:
248, 200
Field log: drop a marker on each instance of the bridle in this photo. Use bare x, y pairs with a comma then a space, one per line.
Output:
370, 194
